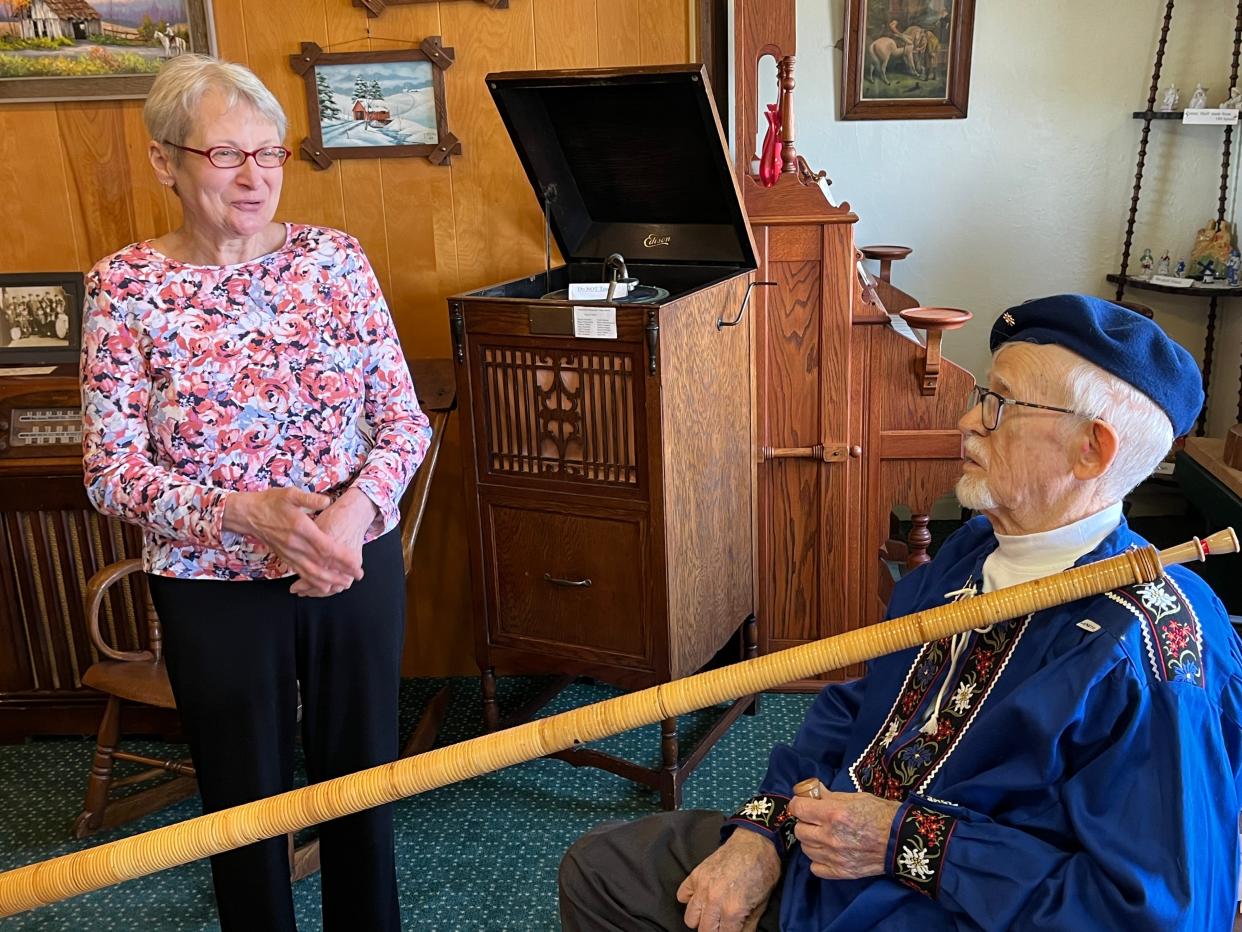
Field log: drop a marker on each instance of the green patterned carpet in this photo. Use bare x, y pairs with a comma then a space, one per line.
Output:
476, 855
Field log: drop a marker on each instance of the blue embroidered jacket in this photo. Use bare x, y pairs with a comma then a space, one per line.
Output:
1085, 771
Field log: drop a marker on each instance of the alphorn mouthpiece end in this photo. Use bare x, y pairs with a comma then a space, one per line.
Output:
1221, 542
1225, 541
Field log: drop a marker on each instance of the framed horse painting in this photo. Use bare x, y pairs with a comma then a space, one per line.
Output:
907, 59
94, 49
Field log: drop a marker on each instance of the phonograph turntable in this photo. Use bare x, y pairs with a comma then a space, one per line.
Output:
607, 402
621, 288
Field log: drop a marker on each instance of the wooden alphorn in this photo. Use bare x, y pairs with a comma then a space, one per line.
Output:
83, 871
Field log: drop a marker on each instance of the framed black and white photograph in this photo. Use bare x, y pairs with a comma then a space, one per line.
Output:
40, 318
365, 105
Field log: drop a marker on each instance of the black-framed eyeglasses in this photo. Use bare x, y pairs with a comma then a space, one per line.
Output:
993, 404
233, 157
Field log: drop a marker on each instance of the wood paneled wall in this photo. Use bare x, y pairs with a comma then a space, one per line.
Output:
75, 185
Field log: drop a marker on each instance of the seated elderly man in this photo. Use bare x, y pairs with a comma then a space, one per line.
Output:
1074, 769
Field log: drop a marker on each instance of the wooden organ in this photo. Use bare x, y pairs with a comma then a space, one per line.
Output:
51, 543
854, 416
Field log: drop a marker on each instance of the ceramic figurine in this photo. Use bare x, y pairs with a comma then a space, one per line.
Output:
1146, 262
1198, 100
1209, 272
1180, 269
1169, 103
1163, 267
1232, 268
1233, 101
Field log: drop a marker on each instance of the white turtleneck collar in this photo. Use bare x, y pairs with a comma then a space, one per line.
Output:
1022, 557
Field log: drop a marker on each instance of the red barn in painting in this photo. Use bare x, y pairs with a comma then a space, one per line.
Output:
373, 111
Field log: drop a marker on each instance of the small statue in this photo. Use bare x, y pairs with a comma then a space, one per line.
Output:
1198, 100
1209, 272
1232, 268
1146, 262
1171, 98
1180, 269
1163, 267
1233, 101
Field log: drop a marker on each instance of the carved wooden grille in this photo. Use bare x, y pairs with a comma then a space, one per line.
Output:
560, 414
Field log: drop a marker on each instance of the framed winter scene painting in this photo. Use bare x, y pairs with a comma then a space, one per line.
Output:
94, 49
363, 105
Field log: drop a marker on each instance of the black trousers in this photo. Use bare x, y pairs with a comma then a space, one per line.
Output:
623, 876
237, 653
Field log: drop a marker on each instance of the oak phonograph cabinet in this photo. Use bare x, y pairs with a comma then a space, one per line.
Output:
608, 445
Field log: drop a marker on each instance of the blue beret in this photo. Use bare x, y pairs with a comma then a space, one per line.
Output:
1121, 341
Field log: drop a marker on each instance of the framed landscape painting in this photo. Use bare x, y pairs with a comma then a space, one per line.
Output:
907, 59
96, 50
371, 104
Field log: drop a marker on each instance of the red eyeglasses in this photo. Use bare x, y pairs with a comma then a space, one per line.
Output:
233, 157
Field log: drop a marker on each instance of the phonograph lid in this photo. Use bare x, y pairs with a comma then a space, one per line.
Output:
629, 161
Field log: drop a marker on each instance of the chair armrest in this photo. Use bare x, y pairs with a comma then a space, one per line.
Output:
95, 590
420, 489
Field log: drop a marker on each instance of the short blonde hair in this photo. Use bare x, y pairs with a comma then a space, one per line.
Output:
179, 87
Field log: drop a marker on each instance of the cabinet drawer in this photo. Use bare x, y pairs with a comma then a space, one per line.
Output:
569, 583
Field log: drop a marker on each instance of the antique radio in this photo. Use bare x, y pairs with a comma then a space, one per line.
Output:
51, 543
607, 433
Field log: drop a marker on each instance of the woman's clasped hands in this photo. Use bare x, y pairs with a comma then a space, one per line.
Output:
319, 539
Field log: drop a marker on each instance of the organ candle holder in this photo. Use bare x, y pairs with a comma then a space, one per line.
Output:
934, 320
607, 444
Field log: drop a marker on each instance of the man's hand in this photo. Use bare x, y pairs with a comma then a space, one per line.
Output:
845, 835
729, 890
280, 518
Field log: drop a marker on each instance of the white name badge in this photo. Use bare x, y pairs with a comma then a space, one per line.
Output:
596, 291
1210, 115
595, 323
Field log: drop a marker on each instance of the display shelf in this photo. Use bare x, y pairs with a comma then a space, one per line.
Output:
1171, 115
1197, 291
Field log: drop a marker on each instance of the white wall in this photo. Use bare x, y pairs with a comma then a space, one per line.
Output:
1029, 195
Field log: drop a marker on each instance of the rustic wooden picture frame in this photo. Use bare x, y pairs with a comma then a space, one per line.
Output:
869, 53
376, 7
314, 149
13, 331
110, 86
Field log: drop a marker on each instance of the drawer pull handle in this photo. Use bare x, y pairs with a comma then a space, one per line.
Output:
567, 583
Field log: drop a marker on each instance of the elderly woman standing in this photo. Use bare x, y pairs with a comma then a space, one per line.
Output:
247, 403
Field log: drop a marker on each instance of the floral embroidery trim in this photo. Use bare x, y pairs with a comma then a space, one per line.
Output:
769, 814
893, 770
920, 848
1172, 634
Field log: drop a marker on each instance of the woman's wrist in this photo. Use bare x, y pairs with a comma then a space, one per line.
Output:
357, 500
237, 512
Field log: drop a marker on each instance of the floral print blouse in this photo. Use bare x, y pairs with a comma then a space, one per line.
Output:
200, 381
